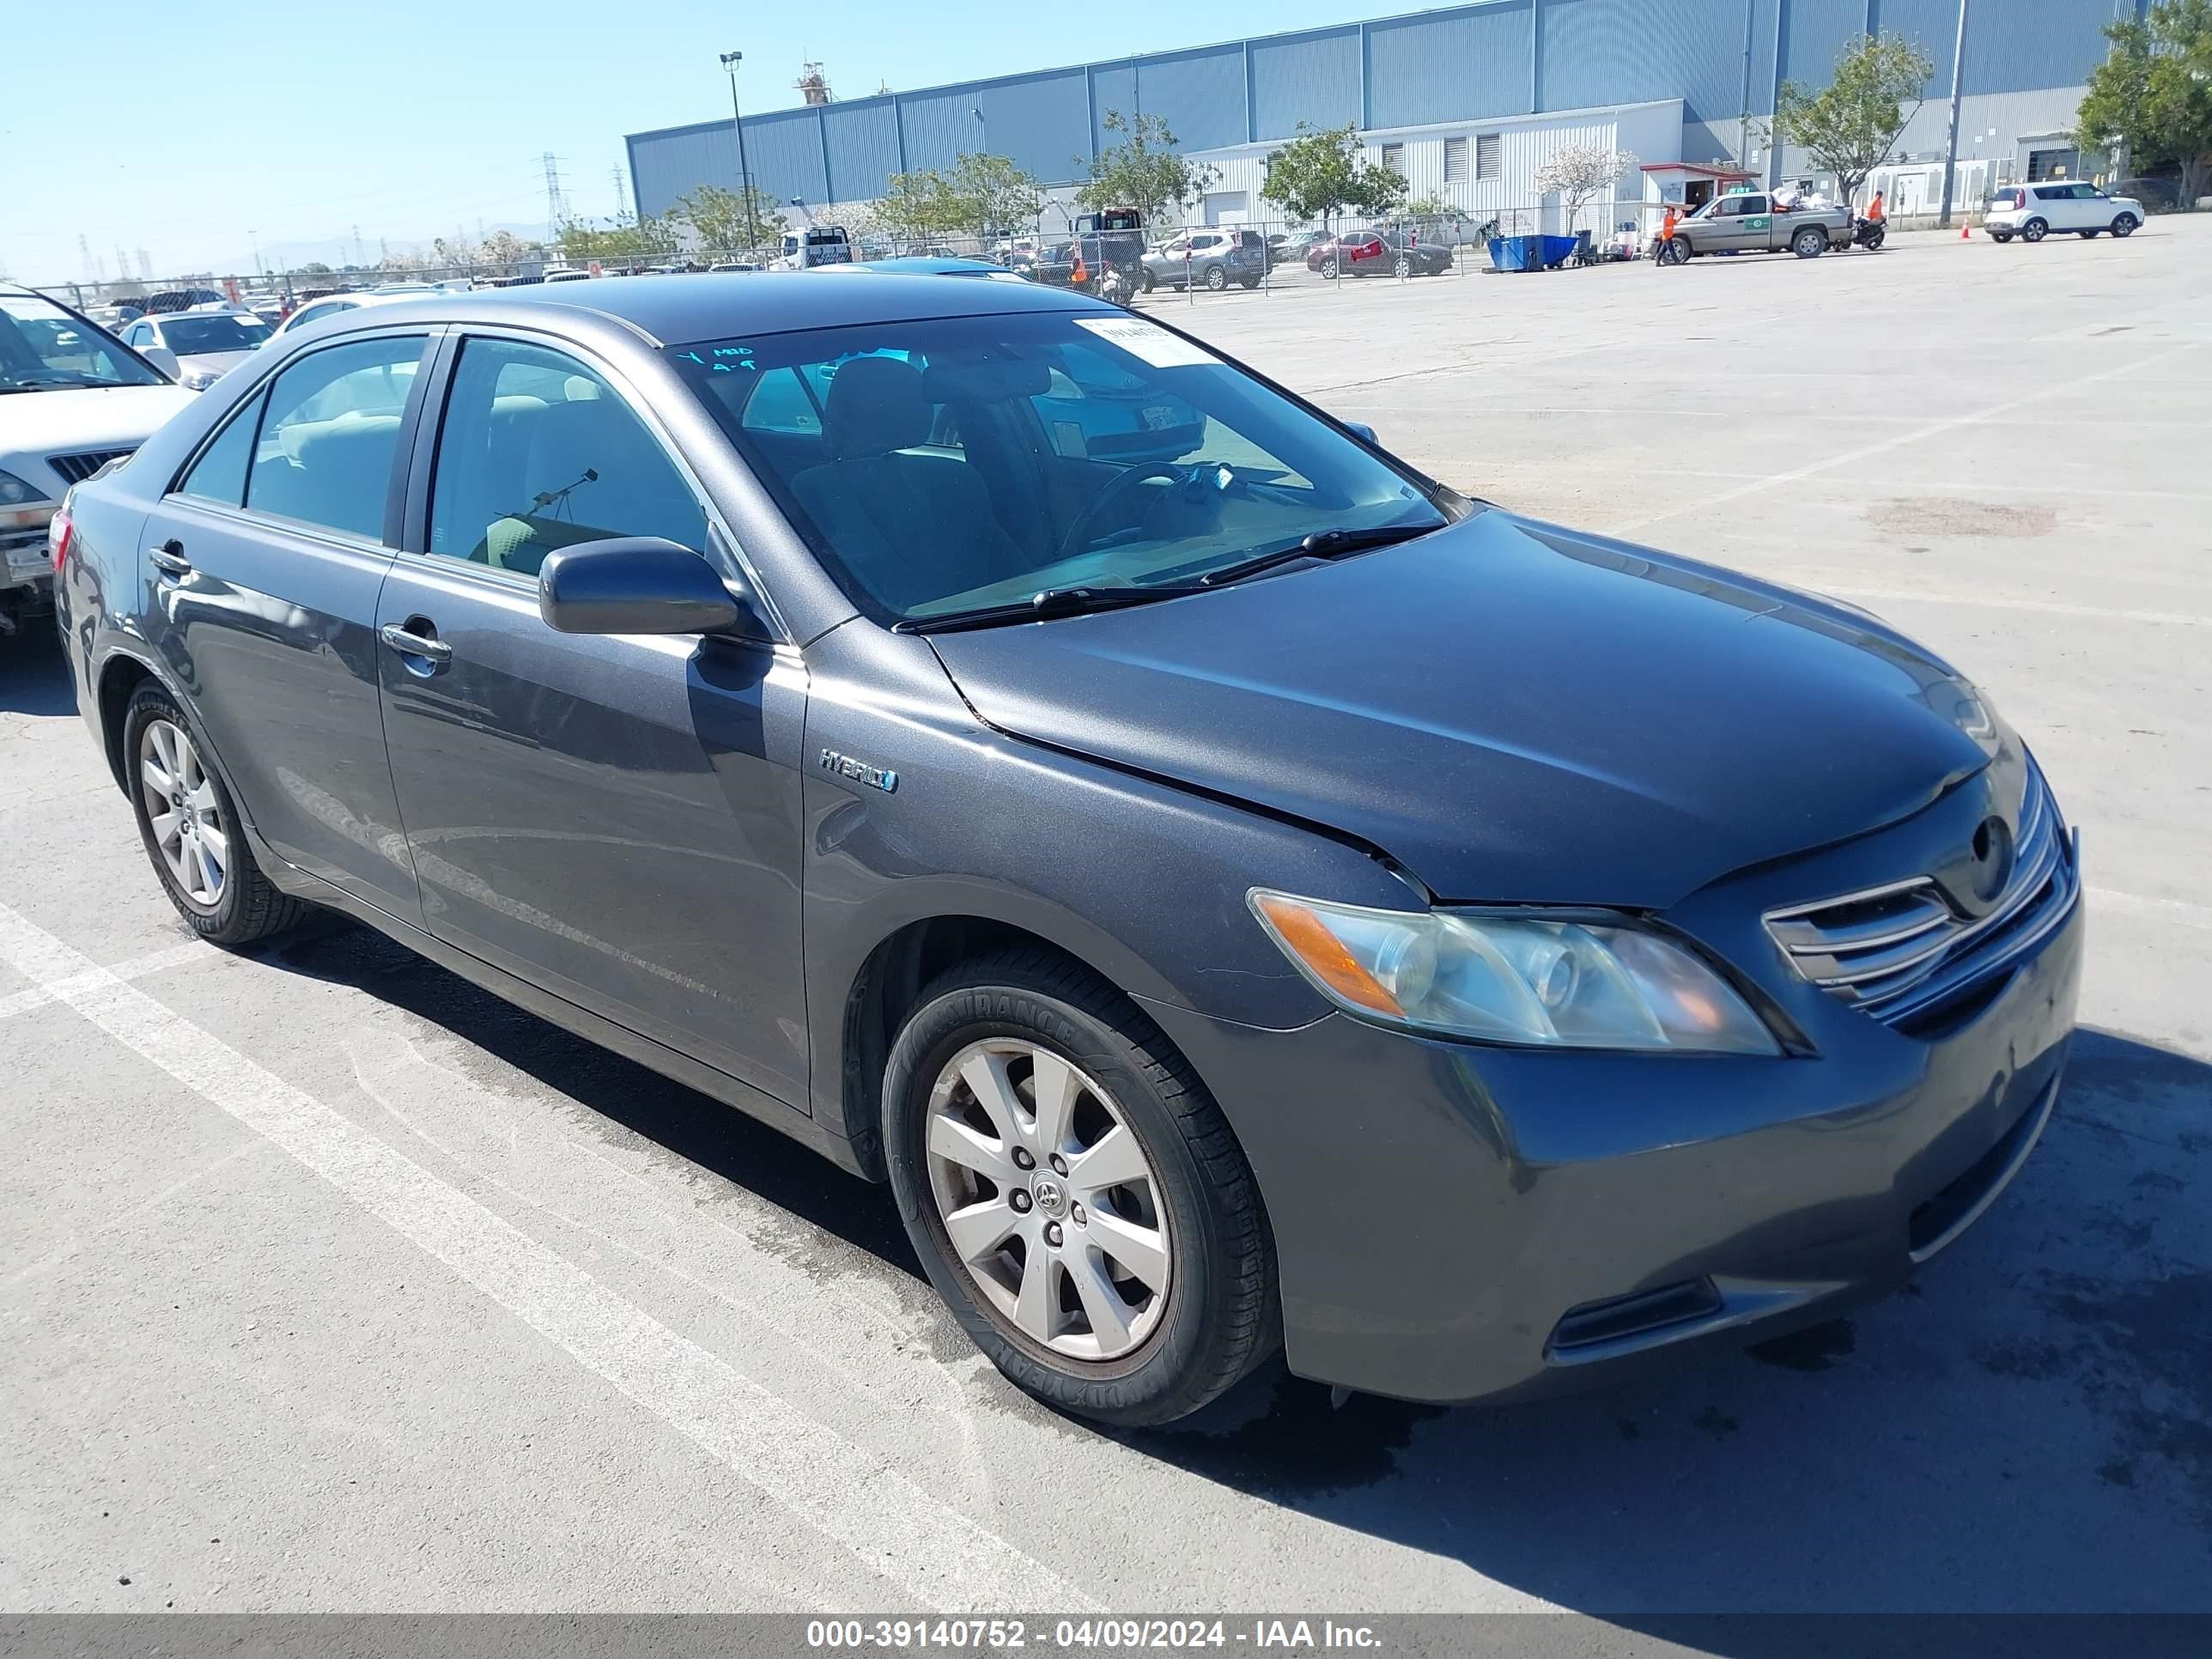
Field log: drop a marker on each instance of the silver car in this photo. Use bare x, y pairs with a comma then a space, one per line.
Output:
197, 347
1207, 259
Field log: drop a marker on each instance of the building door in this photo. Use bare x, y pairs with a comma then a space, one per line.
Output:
1228, 207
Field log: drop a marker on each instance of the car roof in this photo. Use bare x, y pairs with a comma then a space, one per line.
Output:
922, 264
705, 307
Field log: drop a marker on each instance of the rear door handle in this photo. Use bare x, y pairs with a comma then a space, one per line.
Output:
169, 559
408, 643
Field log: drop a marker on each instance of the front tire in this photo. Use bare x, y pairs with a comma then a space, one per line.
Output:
191, 831
1674, 252
2034, 230
2000, 236
2088, 235
2125, 225
1151, 281
1328, 271
1215, 279
1074, 1194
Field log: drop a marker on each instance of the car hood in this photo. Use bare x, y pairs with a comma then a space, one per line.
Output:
1512, 711
36, 424
220, 362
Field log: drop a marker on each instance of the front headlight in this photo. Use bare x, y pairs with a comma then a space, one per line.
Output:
1513, 978
198, 379
22, 508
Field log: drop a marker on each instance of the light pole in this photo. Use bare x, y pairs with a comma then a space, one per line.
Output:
983, 125
730, 62
1958, 88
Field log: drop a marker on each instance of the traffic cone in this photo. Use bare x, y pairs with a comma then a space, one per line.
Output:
1966, 233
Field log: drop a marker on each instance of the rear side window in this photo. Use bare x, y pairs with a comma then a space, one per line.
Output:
538, 452
331, 432
219, 475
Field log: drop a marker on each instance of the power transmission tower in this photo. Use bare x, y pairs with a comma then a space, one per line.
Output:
84, 251
555, 212
622, 198
145, 265
360, 253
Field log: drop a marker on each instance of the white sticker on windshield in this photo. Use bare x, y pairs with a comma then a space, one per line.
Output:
1148, 340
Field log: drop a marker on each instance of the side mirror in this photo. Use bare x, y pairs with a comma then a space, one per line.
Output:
640, 585
1364, 431
163, 359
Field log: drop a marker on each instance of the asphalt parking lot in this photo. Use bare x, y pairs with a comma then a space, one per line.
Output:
328, 1282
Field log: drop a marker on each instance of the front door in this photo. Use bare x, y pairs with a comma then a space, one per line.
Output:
615, 820
267, 558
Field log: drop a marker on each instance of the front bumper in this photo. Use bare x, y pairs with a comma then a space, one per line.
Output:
1455, 1222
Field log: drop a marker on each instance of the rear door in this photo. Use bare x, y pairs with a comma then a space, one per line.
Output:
615, 820
266, 557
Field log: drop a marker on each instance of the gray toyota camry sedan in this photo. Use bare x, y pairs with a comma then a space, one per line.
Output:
1238, 891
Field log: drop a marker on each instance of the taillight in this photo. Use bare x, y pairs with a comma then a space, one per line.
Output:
59, 529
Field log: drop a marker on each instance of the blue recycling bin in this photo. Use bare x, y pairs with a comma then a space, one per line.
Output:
1530, 252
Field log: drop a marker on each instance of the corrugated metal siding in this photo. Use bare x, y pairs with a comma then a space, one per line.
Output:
1113, 87
1609, 52
666, 164
938, 128
1933, 25
1314, 78
863, 147
784, 150
2032, 44
1199, 95
1448, 66
1815, 33
1043, 122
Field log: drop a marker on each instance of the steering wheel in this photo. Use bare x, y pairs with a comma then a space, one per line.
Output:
1076, 539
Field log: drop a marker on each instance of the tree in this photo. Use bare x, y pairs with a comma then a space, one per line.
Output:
917, 204
507, 249
624, 237
727, 220
989, 194
1320, 173
1143, 171
2153, 92
1850, 127
1576, 173
314, 267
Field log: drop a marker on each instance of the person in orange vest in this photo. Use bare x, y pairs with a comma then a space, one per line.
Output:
1667, 225
1874, 208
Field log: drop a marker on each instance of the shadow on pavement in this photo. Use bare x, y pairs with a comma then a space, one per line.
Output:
2028, 1427
34, 677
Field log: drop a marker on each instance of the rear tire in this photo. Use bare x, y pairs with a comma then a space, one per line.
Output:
1185, 1208
195, 842
2034, 230
1809, 243
1401, 267
2125, 224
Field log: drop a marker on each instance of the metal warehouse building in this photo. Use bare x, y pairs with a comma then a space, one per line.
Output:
1465, 100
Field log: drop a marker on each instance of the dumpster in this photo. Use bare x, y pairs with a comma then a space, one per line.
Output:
1530, 252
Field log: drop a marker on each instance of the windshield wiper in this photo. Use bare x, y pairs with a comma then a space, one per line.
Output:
1321, 544
1045, 605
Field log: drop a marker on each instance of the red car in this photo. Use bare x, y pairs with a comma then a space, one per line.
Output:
1373, 253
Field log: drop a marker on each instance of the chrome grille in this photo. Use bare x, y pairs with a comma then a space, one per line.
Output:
1899, 950
75, 469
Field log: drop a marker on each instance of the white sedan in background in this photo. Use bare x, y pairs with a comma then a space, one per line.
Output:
197, 347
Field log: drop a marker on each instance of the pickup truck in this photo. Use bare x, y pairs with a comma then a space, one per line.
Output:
1750, 222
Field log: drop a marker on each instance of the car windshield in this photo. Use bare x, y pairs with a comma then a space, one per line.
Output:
44, 348
189, 336
954, 465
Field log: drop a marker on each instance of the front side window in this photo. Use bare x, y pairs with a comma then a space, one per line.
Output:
328, 441
538, 452
965, 462
43, 348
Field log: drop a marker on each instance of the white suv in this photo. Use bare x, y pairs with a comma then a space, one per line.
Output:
2031, 212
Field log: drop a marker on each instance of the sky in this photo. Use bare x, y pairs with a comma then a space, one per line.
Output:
198, 133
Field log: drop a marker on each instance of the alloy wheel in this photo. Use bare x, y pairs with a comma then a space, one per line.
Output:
182, 814
1051, 1206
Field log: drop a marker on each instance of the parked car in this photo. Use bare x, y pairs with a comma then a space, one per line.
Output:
334, 305
2031, 212
181, 298
916, 266
1750, 222
1378, 254
1206, 258
1054, 266
816, 245
567, 275
197, 347
1127, 859
95, 401
727, 266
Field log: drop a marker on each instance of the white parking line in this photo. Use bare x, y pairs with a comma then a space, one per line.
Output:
928, 1551
1917, 434
2158, 910
38, 996
2049, 607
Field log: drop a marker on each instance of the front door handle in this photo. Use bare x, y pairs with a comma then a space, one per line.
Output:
408, 643
169, 558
